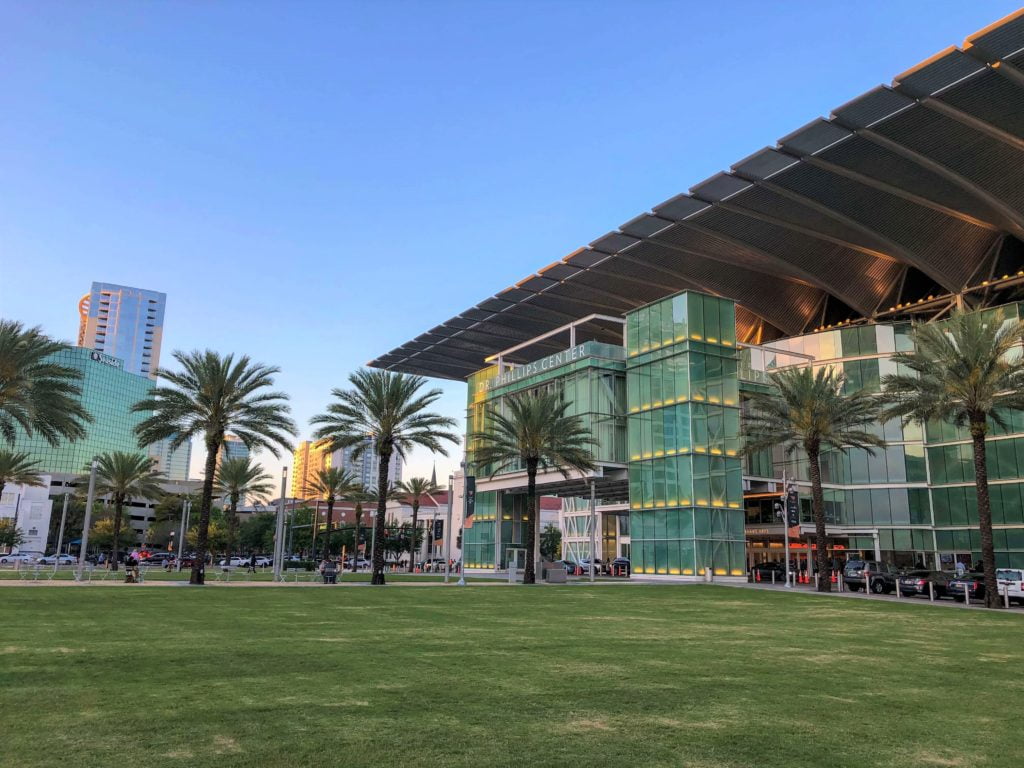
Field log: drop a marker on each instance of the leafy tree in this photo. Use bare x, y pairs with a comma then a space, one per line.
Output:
19, 469
216, 535
123, 477
330, 485
36, 394
551, 543
257, 533
10, 535
809, 410
966, 370
101, 536
236, 479
215, 394
384, 412
74, 522
167, 515
536, 432
414, 489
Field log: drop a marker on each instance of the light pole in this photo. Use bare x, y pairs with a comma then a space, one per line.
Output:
186, 508
88, 518
279, 529
448, 531
60, 536
593, 528
465, 507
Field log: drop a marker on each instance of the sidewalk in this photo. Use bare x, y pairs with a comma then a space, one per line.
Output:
805, 589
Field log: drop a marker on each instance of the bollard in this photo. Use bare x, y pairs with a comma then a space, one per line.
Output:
773, 578
931, 591
1006, 596
816, 579
898, 595
867, 582
967, 596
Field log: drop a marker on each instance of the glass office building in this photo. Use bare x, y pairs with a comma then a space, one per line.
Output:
108, 393
820, 250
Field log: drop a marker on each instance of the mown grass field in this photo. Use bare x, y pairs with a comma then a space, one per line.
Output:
495, 676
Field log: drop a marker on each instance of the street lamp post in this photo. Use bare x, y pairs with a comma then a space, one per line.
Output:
88, 518
279, 529
448, 532
465, 502
60, 536
186, 508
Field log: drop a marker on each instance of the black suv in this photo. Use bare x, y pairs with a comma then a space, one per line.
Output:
884, 576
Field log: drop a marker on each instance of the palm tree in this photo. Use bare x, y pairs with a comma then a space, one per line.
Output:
386, 413
36, 393
212, 395
809, 410
964, 370
330, 485
235, 479
414, 489
19, 469
123, 477
536, 432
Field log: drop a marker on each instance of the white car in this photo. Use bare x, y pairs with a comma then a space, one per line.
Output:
1011, 581
235, 562
59, 560
21, 557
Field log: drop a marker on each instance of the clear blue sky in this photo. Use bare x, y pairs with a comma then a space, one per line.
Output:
314, 183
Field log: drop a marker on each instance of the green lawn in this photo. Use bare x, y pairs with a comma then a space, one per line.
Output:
494, 676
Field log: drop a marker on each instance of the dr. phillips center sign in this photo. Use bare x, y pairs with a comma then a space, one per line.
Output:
570, 355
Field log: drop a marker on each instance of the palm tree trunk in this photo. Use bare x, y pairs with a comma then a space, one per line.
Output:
988, 555
529, 575
818, 509
233, 523
412, 537
327, 533
199, 562
118, 504
378, 523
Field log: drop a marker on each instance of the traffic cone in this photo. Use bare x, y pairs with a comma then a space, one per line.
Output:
757, 576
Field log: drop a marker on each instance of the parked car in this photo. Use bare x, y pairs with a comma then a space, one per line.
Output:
59, 560
362, 562
20, 557
433, 565
620, 567
157, 558
598, 566
916, 582
973, 582
770, 572
883, 576
573, 568
1011, 580
262, 561
234, 562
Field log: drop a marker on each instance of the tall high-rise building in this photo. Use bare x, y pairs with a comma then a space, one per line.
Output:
173, 464
365, 466
127, 323
308, 459
108, 393
233, 448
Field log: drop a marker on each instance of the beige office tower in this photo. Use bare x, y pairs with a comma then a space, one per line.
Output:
308, 459
123, 322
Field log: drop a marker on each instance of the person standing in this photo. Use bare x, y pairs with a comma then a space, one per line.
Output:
252, 563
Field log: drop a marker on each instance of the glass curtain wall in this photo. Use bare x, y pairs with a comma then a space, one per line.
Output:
685, 474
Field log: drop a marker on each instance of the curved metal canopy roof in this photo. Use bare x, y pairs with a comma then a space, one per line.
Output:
918, 184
